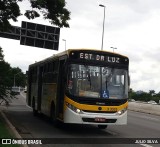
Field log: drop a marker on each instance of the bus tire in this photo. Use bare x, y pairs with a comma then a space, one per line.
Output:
33, 107
102, 126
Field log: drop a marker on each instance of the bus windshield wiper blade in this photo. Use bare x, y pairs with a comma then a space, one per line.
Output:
89, 76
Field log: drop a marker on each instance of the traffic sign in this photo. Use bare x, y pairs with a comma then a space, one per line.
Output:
35, 35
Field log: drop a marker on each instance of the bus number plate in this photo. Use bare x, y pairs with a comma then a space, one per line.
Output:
97, 119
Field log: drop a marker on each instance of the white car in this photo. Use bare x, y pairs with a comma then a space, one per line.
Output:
16, 90
152, 102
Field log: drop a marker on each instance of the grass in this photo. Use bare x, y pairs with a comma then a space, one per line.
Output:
5, 133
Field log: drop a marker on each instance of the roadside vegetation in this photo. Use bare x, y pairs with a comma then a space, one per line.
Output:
51, 10
5, 133
144, 96
9, 77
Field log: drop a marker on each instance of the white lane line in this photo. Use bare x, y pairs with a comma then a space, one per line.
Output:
146, 117
150, 118
146, 145
24, 96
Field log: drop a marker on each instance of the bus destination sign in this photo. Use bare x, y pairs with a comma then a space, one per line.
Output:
89, 56
109, 58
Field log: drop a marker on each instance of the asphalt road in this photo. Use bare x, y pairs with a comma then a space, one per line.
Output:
141, 127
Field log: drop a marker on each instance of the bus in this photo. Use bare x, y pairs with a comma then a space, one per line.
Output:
81, 86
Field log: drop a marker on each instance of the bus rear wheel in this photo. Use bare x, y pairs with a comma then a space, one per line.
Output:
102, 126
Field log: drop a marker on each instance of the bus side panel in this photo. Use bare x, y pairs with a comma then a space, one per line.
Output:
32, 87
28, 96
61, 88
49, 86
39, 86
48, 96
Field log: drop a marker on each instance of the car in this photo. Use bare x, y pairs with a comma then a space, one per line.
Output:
152, 102
16, 90
131, 100
25, 90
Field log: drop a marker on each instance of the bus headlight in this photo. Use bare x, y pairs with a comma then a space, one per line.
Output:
73, 108
120, 112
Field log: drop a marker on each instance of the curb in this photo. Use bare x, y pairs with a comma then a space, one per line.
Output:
13, 129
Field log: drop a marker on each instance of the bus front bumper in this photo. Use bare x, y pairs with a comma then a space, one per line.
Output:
82, 117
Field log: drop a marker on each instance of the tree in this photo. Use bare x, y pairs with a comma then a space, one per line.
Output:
4, 67
53, 10
7, 79
18, 77
151, 92
1, 54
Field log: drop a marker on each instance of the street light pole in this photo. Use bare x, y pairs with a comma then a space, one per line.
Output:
113, 48
103, 24
65, 43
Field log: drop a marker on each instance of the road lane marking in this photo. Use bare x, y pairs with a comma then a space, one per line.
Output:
146, 145
150, 118
145, 117
23, 95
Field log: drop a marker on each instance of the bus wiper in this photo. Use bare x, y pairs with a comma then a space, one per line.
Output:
89, 76
108, 77
106, 85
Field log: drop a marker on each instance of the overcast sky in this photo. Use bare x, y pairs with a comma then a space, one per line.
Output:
132, 26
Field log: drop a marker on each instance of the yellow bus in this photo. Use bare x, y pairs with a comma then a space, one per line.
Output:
81, 86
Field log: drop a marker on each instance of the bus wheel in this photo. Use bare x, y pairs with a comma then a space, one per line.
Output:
102, 126
33, 107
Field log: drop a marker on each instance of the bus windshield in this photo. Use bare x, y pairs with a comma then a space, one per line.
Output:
97, 82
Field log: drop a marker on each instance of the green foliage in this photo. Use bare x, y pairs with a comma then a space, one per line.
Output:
1, 54
53, 10
7, 76
5, 133
19, 76
144, 96
9, 9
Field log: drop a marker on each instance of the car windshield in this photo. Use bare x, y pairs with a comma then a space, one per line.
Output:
97, 82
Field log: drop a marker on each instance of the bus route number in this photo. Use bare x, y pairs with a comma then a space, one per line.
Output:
112, 109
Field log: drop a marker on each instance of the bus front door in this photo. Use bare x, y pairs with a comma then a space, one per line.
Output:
61, 87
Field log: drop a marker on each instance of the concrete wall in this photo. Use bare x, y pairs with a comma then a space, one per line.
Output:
144, 107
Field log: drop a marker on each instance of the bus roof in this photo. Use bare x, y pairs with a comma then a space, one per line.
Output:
67, 52
83, 49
